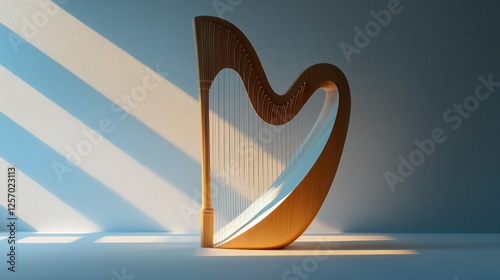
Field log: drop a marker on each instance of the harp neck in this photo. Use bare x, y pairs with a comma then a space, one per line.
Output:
221, 45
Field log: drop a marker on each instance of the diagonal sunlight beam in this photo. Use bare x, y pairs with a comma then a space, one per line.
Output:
39, 207
92, 108
147, 96
114, 73
83, 192
159, 104
21, 224
78, 99
56, 127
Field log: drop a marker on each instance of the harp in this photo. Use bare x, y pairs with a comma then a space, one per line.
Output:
279, 210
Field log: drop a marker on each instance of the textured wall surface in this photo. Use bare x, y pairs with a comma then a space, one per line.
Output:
99, 110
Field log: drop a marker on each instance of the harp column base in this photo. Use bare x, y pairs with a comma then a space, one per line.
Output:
207, 227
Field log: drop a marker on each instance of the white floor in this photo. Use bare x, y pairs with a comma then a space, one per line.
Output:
126, 256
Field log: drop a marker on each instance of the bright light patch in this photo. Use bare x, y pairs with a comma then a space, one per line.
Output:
61, 130
49, 239
342, 238
291, 253
148, 239
110, 70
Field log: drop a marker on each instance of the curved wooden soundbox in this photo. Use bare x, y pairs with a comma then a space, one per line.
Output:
221, 45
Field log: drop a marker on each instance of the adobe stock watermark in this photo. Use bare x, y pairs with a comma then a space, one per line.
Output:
225, 6
91, 139
363, 37
122, 275
453, 117
310, 264
45, 11
191, 212
266, 136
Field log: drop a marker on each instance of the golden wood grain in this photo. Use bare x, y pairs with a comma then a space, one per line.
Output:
221, 45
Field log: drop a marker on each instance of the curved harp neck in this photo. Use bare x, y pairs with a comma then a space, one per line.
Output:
221, 45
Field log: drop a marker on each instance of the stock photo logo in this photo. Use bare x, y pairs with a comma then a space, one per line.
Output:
372, 29
309, 265
43, 14
453, 118
221, 7
122, 275
127, 103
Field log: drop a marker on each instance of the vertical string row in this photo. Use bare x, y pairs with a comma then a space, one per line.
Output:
247, 154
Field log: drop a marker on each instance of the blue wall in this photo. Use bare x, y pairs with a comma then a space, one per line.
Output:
414, 79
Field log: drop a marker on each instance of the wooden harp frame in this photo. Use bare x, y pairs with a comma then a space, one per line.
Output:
215, 39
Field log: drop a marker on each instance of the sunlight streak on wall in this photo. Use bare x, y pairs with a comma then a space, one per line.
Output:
42, 210
58, 129
163, 107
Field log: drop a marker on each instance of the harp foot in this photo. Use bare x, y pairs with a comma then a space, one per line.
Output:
207, 227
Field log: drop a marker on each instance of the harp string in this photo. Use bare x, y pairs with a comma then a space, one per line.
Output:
247, 154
